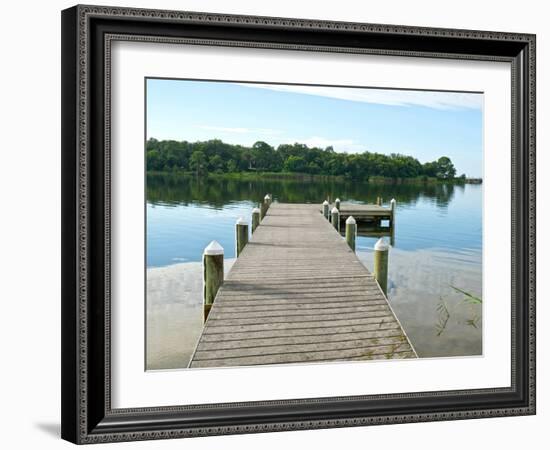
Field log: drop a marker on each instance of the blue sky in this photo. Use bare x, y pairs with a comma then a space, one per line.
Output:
423, 124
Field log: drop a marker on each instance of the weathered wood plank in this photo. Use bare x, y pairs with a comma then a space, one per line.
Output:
296, 304
391, 344
299, 312
311, 318
366, 331
219, 326
373, 330
319, 293
304, 288
297, 300
336, 281
366, 352
289, 342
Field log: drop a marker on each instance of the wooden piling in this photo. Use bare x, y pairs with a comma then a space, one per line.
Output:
255, 219
393, 205
379, 201
265, 206
381, 252
335, 214
326, 210
351, 232
212, 262
337, 204
241, 235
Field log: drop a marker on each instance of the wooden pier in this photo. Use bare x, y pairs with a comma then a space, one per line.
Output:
298, 294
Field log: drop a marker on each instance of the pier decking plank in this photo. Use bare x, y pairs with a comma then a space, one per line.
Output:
298, 293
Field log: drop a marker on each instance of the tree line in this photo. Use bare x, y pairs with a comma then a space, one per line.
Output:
215, 156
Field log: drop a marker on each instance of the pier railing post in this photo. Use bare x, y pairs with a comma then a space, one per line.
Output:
337, 204
379, 201
325, 209
255, 219
351, 232
212, 262
381, 252
241, 235
335, 218
392, 208
393, 205
265, 206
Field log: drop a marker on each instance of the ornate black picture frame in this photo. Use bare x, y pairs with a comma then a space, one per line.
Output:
87, 33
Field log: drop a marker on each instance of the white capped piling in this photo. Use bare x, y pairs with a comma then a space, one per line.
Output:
393, 206
212, 263
255, 219
241, 235
335, 218
265, 206
337, 204
326, 210
351, 232
381, 252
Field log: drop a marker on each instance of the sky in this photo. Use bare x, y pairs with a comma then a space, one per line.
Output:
423, 124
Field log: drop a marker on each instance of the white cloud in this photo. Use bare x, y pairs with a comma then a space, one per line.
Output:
392, 97
240, 130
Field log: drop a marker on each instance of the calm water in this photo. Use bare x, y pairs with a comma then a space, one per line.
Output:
438, 244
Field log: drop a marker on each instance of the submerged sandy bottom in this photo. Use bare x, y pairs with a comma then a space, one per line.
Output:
174, 314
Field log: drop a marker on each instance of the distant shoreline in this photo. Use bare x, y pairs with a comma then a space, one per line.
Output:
292, 176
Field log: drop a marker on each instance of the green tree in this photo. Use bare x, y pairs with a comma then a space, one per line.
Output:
216, 164
313, 168
335, 165
154, 160
295, 164
445, 168
197, 162
429, 169
232, 166
265, 157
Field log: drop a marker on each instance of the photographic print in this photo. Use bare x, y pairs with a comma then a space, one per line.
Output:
343, 214
298, 224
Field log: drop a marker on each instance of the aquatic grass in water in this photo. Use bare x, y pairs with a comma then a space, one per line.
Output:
444, 316
469, 298
445, 312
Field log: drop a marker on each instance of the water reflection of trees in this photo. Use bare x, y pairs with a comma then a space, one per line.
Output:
177, 189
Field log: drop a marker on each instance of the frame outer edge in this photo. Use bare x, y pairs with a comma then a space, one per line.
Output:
69, 238
75, 296
532, 283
